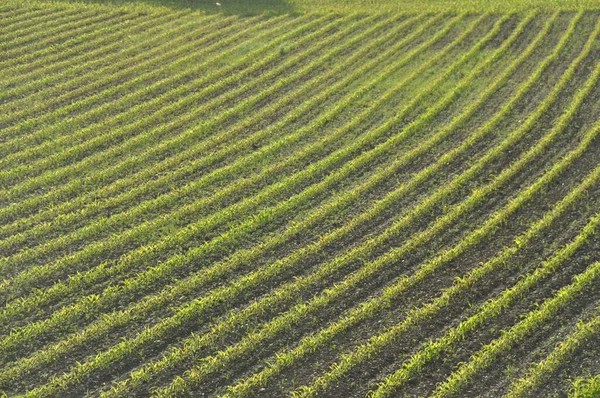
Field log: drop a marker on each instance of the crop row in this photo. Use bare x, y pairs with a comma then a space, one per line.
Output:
47, 63
70, 189
140, 67
491, 308
154, 153
544, 369
313, 342
77, 134
43, 77
16, 40
177, 203
209, 365
586, 387
320, 120
168, 268
379, 342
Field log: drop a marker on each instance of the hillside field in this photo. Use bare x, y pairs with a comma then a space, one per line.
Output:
270, 198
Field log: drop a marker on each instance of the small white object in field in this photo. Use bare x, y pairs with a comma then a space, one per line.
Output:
218, 4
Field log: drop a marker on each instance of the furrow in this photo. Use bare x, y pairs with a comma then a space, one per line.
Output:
376, 344
77, 234
543, 370
210, 365
232, 168
178, 55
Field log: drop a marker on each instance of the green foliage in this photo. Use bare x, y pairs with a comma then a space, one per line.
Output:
586, 387
208, 201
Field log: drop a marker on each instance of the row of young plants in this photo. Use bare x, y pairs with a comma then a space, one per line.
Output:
58, 195
388, 172
35, 81
13, 259
220, 194
341, 131
425, 312
48, 62
378, 342
66, 30
16, 39
561, 355
141, 70
13, 49
143, 374
156, 183
120, 271
369, 309
85, 126
284, 359
159, 150
79, 32
489, 310
517, 333
209, 365
138, 141
586, 387
15, 16
113, 78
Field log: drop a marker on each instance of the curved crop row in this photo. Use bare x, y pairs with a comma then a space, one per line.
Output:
212, 364
17, 15
46, 62
219, 289
44, 22
30, 76
83, 133
388, 174
304, 205
65, 92
258, 155
533, 320
378, 342
86, 25
171, 145
135, 215
430, 350
65, 28
541, 371
379, 77
489, 309
310, 344
586, 387
63, 192
104, 149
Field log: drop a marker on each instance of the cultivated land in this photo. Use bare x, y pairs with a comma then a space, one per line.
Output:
284, 198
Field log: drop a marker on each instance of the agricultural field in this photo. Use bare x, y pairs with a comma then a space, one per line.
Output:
341, 198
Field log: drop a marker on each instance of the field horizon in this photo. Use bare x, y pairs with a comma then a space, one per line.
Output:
277, 7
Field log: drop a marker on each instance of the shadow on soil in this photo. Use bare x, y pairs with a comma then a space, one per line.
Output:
239, 7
